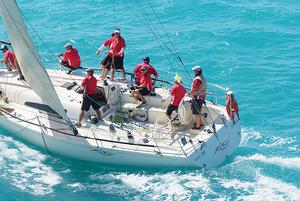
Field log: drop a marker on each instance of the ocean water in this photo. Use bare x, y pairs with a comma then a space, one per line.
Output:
251, 46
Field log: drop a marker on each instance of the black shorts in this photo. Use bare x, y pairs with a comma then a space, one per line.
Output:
66, 64
197, 106
116, 64
89, 100
144, 91
171, 108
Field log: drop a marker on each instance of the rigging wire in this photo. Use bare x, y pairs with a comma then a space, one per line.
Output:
166, 41
42, 41
153, 27
146, 24
168, 37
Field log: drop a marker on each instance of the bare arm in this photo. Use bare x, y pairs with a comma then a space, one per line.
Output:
100, 49
122, 51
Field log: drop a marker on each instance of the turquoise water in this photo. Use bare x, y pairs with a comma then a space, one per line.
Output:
251, 46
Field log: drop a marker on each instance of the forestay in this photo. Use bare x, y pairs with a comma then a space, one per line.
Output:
26, 54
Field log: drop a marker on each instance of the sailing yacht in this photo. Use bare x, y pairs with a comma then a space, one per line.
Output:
42, 111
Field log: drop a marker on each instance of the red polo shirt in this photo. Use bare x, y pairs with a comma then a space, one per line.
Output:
146, 81
116, 45
107, 42
90, 84
151, 71
197, 84
10, 56
72, 57
178, 92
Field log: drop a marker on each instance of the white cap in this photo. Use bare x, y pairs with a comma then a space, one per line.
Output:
228, 91
196, 68
67, 45
117, 31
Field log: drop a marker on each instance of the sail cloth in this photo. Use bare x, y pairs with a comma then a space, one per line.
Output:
28, 59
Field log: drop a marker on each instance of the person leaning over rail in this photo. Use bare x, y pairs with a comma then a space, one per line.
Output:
89, 96
137, 70
178, 92
106, 61
115, 57
198, 93
70, 58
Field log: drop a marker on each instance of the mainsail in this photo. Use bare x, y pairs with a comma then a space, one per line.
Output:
28, 59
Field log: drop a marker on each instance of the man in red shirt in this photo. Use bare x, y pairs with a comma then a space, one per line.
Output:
10, 61
115, 56
144, 88
70, 58
105, 61
178, 92
198, 93
9, 58
90, 95
151, 70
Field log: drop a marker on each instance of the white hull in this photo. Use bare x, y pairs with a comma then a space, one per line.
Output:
209, 156
206, 149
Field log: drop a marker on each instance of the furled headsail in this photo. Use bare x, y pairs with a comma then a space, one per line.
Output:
28, 59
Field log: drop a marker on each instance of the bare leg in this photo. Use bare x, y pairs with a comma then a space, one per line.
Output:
139, 95
112, 74
103, 72
81, 116
6, 63
123, 74
198, 120
98, 114
135, 95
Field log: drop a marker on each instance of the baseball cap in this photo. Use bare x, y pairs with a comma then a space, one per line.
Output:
146, 59
117, 31
90, 70
196, 68
3, 47
67, 45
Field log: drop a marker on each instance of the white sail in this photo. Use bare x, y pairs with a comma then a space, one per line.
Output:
27, 57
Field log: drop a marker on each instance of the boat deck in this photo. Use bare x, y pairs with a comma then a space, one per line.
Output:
151, 135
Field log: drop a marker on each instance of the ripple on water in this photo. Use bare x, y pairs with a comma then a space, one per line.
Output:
23, 168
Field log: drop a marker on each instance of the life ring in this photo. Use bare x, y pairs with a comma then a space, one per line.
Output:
232, 107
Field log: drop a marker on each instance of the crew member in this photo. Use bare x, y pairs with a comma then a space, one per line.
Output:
198, 93
178, 92
70, 58
90, 95
8, 59
144, 88
151, 70
232, 107
105, 61
115, 56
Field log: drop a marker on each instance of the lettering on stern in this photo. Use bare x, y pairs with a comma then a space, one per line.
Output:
222, 146
102, 152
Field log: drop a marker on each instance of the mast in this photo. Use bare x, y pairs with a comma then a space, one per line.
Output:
28, 59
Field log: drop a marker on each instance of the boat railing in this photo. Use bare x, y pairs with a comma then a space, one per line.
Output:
214, 93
